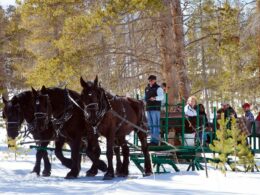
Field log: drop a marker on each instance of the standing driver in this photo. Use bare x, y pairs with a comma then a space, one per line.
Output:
154, 95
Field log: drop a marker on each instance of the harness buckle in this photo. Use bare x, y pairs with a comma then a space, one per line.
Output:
95, 129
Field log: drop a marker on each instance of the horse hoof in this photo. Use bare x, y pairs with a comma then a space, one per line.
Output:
147, 174
122, 173
91, 174
108, 176
118, 173
46, 174
71, 176
102, 166
34, 172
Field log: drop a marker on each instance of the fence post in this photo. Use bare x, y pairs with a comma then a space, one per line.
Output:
166, 117
197, 118
197, 135
214, 122
182, 123
203, 130
135, 134
254, 135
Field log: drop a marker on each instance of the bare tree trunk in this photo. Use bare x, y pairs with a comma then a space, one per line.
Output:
258, 36
3, 87
178, 42
205, 78
172, 51
168, 69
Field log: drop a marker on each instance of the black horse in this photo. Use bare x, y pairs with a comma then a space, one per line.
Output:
69, 122
103, 110
15, 111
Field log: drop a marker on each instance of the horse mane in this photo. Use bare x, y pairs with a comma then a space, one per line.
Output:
23, 97
72, 93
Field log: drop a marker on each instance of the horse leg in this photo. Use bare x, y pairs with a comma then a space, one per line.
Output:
75, 157
125, 151
47, 165
37, 166
118, 159
147, 160
58, 152
90, 153
93, 152
110, 172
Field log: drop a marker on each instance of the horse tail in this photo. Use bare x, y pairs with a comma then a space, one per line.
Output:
143, 119
139, 108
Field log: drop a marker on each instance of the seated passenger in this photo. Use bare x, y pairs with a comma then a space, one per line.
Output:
189, 109
202, 112
227, 110
248, 114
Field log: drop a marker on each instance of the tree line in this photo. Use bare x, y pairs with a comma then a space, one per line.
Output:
209, 48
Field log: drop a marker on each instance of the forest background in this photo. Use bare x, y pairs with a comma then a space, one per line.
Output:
209, 48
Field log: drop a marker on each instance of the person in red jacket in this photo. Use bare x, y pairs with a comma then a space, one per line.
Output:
258, 117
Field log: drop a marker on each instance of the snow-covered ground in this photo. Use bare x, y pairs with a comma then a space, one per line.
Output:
15, 178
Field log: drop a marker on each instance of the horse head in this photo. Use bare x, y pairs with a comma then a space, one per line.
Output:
13, 116
42, 109
91, 96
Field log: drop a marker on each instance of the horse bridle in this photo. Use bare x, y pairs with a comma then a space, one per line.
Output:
58, 123
100, 109
19, 120
42, 115
104, 108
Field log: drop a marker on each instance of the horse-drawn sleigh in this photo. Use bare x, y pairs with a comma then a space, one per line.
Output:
65, 116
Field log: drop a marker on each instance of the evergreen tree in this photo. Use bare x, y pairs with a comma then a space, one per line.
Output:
222, 145
45, 21
232, 143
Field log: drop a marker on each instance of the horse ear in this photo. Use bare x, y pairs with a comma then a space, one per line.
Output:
34, 91
43, 89
82, 82
3, 115
14, 100
4, 100
96, 81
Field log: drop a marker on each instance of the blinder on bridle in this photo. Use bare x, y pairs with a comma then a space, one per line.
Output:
99, 108
18, 122
91, 106
41, 114
13, 116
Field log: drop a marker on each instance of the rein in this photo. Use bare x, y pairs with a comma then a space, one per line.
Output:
65, 117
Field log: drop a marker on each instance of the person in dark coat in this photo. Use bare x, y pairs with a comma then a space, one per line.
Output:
227, 110
154, 95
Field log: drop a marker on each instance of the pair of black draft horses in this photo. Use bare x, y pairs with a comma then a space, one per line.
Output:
64, 115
